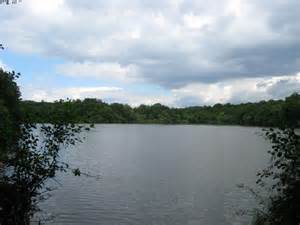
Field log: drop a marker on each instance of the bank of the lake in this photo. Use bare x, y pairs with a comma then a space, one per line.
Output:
272, 113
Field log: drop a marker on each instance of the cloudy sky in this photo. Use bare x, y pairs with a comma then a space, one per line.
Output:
179, 53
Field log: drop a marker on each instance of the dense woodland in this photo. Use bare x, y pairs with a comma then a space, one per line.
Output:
264, 113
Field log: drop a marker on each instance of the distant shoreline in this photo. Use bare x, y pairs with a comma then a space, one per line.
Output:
272, 113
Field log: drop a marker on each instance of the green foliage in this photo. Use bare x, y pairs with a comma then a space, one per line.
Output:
10, 117
35, 161
265, 113
282, 206
37, 158
291, 110
29, 152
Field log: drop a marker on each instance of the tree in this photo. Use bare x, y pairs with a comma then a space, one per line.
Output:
35, 161
30, 152
282, 205
291, 110
10, 116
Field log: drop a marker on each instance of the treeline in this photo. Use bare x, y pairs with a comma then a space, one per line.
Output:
264, 113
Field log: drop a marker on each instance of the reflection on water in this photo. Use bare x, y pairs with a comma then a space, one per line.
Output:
165, 175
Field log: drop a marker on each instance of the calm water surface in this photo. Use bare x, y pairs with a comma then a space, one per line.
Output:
159, 175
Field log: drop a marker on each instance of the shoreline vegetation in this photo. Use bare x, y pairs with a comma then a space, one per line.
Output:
28, 159
272, 113
34, 159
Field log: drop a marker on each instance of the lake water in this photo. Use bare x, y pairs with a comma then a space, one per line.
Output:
160, 175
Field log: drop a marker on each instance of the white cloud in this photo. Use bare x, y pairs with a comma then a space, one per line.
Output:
200, 52
44, 9
4, 66
108, 94
52, 94
197, 22
238, 90
233, 91
113, 71
189, 41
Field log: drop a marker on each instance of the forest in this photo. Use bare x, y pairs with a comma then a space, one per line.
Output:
272, 113
32, 165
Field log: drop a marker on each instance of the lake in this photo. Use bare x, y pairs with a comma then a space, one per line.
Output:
160, 175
